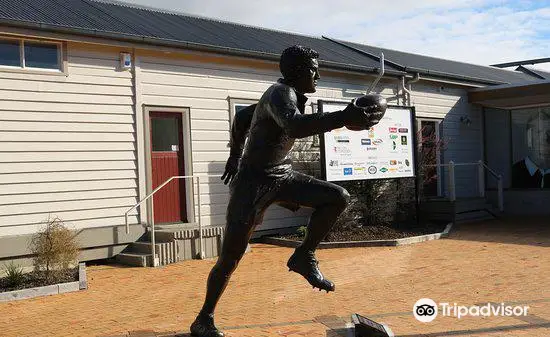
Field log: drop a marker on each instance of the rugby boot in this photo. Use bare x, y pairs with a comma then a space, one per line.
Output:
305, 264
203, 326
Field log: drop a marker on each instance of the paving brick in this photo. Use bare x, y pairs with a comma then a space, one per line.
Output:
494, 261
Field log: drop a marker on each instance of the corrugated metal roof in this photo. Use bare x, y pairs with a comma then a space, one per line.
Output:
116, 20
95, 17
441, 67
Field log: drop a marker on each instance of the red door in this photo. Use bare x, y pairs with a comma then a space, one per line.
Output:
167, 161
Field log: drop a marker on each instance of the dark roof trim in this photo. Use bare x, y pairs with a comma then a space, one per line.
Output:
421, 71
187, 45
533, 72
512, 96
362, 52
519, 63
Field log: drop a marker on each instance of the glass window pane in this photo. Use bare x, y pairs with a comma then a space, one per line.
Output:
531, 148
165, 134
40, 55
239, 107
9, 53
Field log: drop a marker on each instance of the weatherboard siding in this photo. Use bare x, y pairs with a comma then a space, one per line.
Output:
205, 88
463, 143
67, 144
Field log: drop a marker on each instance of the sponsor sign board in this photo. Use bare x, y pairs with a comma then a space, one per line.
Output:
384, 151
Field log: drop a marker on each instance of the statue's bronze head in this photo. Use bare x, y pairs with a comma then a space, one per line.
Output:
300, 68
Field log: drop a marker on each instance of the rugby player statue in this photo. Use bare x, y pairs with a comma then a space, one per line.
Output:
262, 174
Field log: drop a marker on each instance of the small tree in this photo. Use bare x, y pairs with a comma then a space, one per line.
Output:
55, 248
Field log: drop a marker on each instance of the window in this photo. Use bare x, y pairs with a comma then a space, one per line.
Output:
10, 53
236, 105
430, 146
531, 148
28, 54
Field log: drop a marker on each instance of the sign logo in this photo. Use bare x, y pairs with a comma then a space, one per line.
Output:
341, 139
393, 136
393, 130
372, 169
407, 162
377, 141
403, 130
393, 162
341, 149
425, 310
394, 145
403, 140
383, 170
333, 163
348, 171
365, 141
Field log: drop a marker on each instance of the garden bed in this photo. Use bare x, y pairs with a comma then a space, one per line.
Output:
378, 232
37, 284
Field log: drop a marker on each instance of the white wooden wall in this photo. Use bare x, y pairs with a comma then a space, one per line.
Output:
67, 144
206, 89
464, 143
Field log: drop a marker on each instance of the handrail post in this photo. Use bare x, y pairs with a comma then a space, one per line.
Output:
452, 187
153, 243
500, 194
200, 217
481, 179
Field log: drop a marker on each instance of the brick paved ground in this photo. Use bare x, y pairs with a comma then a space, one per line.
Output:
495, 261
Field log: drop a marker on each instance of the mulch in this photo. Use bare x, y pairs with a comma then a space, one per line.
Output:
377, 232
39, 279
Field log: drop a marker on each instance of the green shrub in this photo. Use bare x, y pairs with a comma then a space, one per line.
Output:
14, 274
55, 249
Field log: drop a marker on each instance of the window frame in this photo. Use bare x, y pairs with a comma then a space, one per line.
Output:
61, 56
234, 102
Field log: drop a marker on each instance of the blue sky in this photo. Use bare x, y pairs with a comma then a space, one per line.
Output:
474, 31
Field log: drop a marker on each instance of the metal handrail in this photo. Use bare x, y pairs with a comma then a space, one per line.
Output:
481, 165
150, 195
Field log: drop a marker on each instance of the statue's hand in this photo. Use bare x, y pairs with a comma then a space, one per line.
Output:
231, 168
364, 112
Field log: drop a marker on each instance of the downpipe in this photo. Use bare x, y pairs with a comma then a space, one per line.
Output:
407, 91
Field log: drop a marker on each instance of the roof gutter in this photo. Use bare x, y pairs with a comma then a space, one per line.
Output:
452, 76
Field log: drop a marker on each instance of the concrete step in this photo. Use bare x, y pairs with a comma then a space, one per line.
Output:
167, 252
135, 259
140, 247
169, 234
470, 204
473, 216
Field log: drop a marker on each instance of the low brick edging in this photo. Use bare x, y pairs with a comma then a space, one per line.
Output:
53, 289
368, 243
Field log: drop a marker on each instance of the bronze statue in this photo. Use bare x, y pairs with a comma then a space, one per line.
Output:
264, 175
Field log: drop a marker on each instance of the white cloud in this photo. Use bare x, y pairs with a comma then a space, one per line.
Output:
474, 31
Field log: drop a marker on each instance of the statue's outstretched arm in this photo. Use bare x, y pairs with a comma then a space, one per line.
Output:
297, 125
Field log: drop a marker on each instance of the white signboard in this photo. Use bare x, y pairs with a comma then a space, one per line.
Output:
384, 151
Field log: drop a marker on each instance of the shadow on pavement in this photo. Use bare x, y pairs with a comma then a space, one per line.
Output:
534, 231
